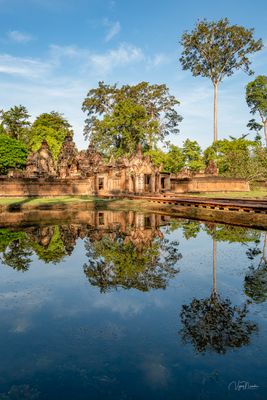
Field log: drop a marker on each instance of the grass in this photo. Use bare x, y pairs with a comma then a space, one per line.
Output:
46, 200
35, 202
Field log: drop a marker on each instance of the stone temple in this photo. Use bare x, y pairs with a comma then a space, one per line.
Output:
87, 173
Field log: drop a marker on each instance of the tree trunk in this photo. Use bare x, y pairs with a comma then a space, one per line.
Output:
214, 289
215, 129
265, 131
264, 253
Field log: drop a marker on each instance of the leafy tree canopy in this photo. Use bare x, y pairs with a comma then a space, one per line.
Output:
216, 49
15, 122
256, 96
189, 155
154, 102
119, 133
13, 154
172, 161
50, 126
241, 158
193, 155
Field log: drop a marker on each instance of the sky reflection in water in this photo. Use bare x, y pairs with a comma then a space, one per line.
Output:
128, 305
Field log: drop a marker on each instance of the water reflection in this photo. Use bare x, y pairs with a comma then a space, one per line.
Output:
103, 321
124, 249
213, 323
255, 284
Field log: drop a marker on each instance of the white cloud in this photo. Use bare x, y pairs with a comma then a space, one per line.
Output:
102, 63
19, 37
157, 60
124, 55
24, 67
114, 29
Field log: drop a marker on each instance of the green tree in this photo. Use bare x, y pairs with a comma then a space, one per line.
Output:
162, 118
13, 154
215, 50
171, 161
16, 122
52, 127
238, 158
256, 96
120, 132
192, 155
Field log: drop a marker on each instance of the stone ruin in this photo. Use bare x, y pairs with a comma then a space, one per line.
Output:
92, 175
211, 169
71, 163
41, 163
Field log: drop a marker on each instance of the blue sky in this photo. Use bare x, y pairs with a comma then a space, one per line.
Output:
53, 51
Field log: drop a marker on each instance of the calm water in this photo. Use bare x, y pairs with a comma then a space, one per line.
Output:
130, 306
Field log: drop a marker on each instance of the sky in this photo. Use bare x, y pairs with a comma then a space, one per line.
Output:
52, 52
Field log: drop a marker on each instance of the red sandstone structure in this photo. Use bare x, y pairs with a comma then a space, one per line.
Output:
86, 173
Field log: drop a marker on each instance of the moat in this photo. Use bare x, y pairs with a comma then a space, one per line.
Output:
132, 305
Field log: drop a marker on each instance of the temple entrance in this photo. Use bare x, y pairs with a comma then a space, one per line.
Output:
100, 183
147, 182
162, 183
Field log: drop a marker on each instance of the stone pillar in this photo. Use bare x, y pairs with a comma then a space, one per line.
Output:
168, 183
139, 183
95, 188
152, 183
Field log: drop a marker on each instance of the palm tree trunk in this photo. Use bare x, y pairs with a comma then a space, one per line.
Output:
265, 131
214, 289
264, 253
215, 129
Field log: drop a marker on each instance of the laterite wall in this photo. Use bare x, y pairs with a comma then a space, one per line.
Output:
24, 187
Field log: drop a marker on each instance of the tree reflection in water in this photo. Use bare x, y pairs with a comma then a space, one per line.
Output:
213, 323
117, 262
15, 251
255, 284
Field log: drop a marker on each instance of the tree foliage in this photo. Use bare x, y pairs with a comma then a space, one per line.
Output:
154, 102
13, 154
189, 155
256, 96
171, 161
52, 127
119, 133
215, 50
238, 158
15, 122
192, 155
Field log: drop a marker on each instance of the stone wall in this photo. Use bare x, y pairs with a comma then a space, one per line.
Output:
209, 184
41, 187
26, 187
